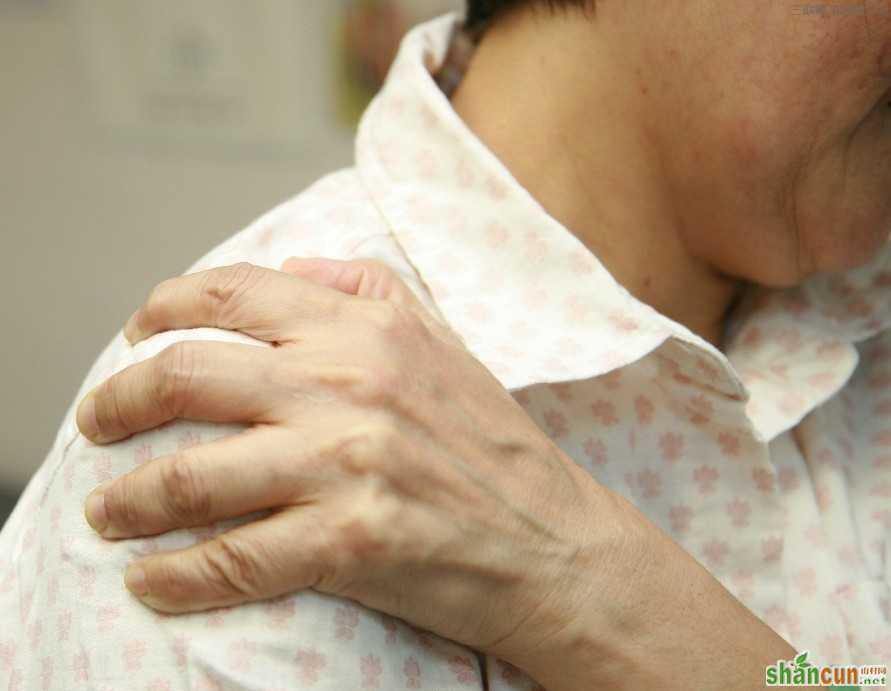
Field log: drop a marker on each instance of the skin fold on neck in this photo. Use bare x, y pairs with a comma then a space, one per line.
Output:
563, 109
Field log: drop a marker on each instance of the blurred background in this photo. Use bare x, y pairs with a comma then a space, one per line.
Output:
134, 137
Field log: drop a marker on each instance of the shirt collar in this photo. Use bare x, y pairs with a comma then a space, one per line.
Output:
534, 305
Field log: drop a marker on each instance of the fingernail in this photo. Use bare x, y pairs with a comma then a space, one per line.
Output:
86, 417
131, 329
97, 516
290, 264
134, 579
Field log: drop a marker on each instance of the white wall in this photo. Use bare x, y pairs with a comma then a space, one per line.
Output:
90, 219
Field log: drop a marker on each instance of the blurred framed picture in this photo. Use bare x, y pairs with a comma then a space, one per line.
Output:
217, 74
269, 75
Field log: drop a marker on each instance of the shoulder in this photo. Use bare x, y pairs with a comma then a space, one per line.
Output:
323, 220
334, 217
57, 564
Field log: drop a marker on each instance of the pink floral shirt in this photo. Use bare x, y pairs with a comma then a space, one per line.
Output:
770, 464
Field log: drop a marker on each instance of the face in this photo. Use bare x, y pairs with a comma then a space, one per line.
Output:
775, 129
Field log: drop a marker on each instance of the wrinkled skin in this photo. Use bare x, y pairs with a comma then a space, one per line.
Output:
398, 472
789, 165
742, 140
696, 146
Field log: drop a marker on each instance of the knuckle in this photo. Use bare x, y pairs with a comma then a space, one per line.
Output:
386, 317
108, 407
158, 297
370, 532
369, 448
168, 580
222, 287
233, 567
178, 364
185, 495
371, 385
380, 385
122, 505
358, 542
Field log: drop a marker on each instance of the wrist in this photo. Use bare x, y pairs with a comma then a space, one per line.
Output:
645, 614
589, 618
607, 616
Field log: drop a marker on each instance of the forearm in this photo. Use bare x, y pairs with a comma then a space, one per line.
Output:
701, 638
659, 620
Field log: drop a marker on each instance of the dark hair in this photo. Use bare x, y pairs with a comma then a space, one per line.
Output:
480, 13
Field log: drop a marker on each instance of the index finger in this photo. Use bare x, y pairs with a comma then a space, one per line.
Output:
266, 304
190, 380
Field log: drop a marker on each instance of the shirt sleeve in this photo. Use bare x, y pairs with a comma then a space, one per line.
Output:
68, 623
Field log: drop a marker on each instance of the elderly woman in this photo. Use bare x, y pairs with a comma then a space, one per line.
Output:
581, 377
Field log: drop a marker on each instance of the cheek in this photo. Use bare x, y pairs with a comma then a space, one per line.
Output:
747, 143
737, 211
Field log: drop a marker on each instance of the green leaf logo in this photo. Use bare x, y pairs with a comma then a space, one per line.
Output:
801, 660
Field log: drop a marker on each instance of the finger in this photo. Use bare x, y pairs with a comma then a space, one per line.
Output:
193, 380
275, 555
254, 470
266, 304
368, 278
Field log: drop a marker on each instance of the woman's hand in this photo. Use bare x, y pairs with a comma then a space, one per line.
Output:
399, 471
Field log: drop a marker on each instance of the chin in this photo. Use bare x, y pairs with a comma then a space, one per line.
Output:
838, 254
857, 254
856, 246
776, 279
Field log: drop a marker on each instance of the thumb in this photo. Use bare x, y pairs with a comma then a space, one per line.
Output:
368, 278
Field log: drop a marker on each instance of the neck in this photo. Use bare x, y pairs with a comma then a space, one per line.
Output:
562, 108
